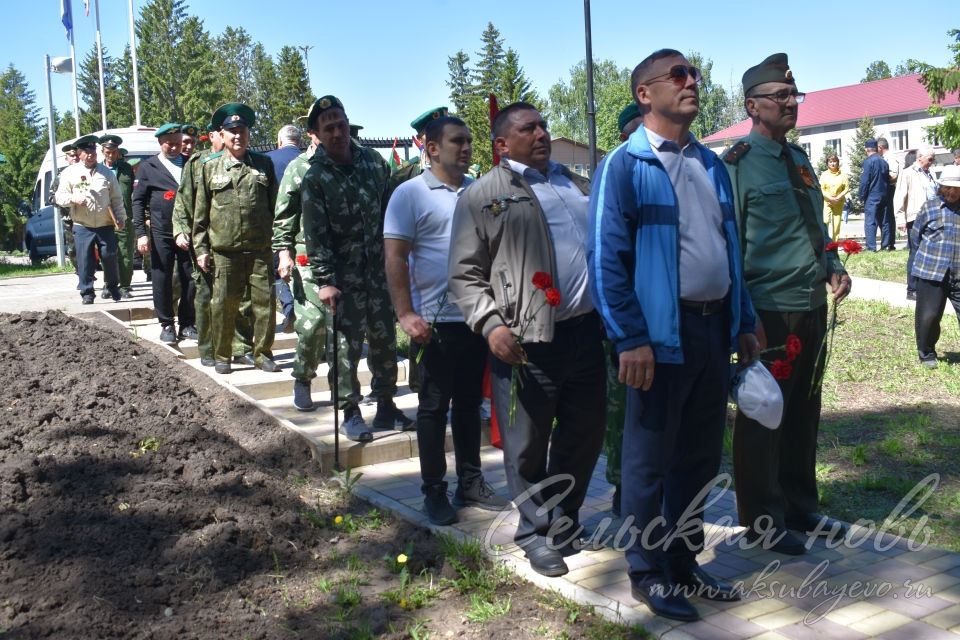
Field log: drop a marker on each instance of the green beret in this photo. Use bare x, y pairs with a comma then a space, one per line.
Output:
212, 127
233, 114
189, 130
420, 122
629, 112
111, 141
773, 69
170, 127
320, 105
85, 142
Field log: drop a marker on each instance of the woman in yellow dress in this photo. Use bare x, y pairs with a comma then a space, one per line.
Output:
835, 186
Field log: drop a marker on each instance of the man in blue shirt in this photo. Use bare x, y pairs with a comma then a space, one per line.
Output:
873, 192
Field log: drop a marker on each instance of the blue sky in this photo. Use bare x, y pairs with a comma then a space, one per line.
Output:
387, 61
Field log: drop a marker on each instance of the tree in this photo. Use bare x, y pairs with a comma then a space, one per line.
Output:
856, 157
486, 74
66, 126
713, 100
512, 84
941, 82
877, 70
234, 51
827, 152
293, 96
21, 146
120, 104
566, 109
88, 86
200, 92
908, 67
265, 86
459, 81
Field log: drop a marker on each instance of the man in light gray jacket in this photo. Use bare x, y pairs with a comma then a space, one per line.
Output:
915, 186
518, 272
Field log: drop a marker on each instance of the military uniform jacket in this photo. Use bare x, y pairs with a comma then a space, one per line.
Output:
234, 204
343, 218
127, 180
287, 229
183, 205
153, 198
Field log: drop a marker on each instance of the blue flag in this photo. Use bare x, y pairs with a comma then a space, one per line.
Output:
66, 17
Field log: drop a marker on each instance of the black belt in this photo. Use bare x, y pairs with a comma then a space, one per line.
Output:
575, 321
705, 307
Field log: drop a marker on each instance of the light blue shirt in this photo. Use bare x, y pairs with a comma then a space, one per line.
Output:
420, 211
567, 211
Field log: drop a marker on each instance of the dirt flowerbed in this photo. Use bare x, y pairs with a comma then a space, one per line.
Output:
140, 500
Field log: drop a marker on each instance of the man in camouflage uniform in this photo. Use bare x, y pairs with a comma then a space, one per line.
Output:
309, 310
188, 144
342, 195
110, 145
232, 229
68, 245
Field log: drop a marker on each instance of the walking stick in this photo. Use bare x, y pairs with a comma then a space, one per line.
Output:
336, 395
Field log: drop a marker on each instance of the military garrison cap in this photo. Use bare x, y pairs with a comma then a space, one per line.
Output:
189, 130
320, 105
420, 122
234, 114
68, 149
773, 69
86, 143
166, 129
123, 152
629, 112
111, 141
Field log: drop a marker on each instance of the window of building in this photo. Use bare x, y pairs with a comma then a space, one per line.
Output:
834, 143
900, 140
932, 139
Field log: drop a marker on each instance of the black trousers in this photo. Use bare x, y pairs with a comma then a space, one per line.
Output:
672, 441
932, 299
775, 470
165, 258
451, 371
911, 279
105, 239
557, 431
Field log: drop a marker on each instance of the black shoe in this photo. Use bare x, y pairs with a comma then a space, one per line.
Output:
246, 359
288, 323
207, 361
663, 600
814, 523
301, 396
223, 367
700, 583
105, 294
479, 494
615, 505
389, 417
267, 365
437, 506
87, 299
126, 295
117, 295
911, 295
778, 541
189, 332
167, 335
546, 561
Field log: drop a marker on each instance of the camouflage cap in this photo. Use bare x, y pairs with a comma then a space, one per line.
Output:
629, 112
233, 114
110, 141
320, 105
166, 129
420, 122
773, 69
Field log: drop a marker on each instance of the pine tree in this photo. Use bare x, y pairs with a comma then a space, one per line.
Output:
22, 148
88, 86
66, 126
120, 104
293, 96
234, 51
163, 68
512, 84
486, 74
459, 81
855, 159
200, 92
266, 85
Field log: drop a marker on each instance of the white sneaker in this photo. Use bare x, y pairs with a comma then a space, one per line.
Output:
356, 429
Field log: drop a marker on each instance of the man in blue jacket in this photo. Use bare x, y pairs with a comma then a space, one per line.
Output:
873, 190
666, 276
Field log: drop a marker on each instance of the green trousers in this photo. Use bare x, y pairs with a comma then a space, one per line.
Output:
125, 248
243, 334
311, 325
235, 274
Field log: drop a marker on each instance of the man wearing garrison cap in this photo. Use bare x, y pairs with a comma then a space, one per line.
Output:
113, 160
232, 229
342, 195
787, 268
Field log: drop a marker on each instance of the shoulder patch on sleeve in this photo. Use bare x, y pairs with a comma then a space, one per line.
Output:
736, 152
212, 156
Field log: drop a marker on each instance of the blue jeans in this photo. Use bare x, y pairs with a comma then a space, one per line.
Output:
105, 239
872, 216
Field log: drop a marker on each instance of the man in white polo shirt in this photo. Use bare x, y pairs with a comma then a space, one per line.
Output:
416, 235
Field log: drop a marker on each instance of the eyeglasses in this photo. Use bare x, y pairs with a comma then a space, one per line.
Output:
782, 96
678, 74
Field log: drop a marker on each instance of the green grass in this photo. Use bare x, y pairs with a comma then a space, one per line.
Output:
883, 265
21, 270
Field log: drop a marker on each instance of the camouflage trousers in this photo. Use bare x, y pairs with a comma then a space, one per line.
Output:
369, 313
125, 249
311, 325
616, 414
243, 334
236, 274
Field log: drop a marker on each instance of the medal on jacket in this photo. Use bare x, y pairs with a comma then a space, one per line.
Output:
805, 174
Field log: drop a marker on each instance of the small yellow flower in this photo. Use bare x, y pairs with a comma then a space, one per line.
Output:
402, 558
338, 520
403, 603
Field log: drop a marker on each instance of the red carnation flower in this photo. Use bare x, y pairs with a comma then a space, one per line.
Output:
204, 138
542, 280
552, 295
302, 260
833, 246
852, 246
170, 195
793, 347
781, 369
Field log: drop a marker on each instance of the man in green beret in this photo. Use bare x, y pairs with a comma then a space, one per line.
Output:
112, 159
232, 230
786, 266
342, 194
629, 120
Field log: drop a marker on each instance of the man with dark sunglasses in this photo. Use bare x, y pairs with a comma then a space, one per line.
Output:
666, 275
786, 265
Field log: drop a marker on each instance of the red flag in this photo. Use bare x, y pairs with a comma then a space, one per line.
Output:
394, 161
494, 110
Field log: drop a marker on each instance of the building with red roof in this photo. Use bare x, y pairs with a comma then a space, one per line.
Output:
829, 118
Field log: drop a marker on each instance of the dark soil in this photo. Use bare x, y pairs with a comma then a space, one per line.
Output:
140, 500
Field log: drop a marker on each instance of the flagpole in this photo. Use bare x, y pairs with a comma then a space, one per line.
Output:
133, 60
51, 134
73, 57
103, 97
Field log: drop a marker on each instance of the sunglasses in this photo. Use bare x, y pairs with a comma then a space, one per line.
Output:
678, 74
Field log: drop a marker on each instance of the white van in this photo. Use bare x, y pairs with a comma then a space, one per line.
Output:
140, 143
